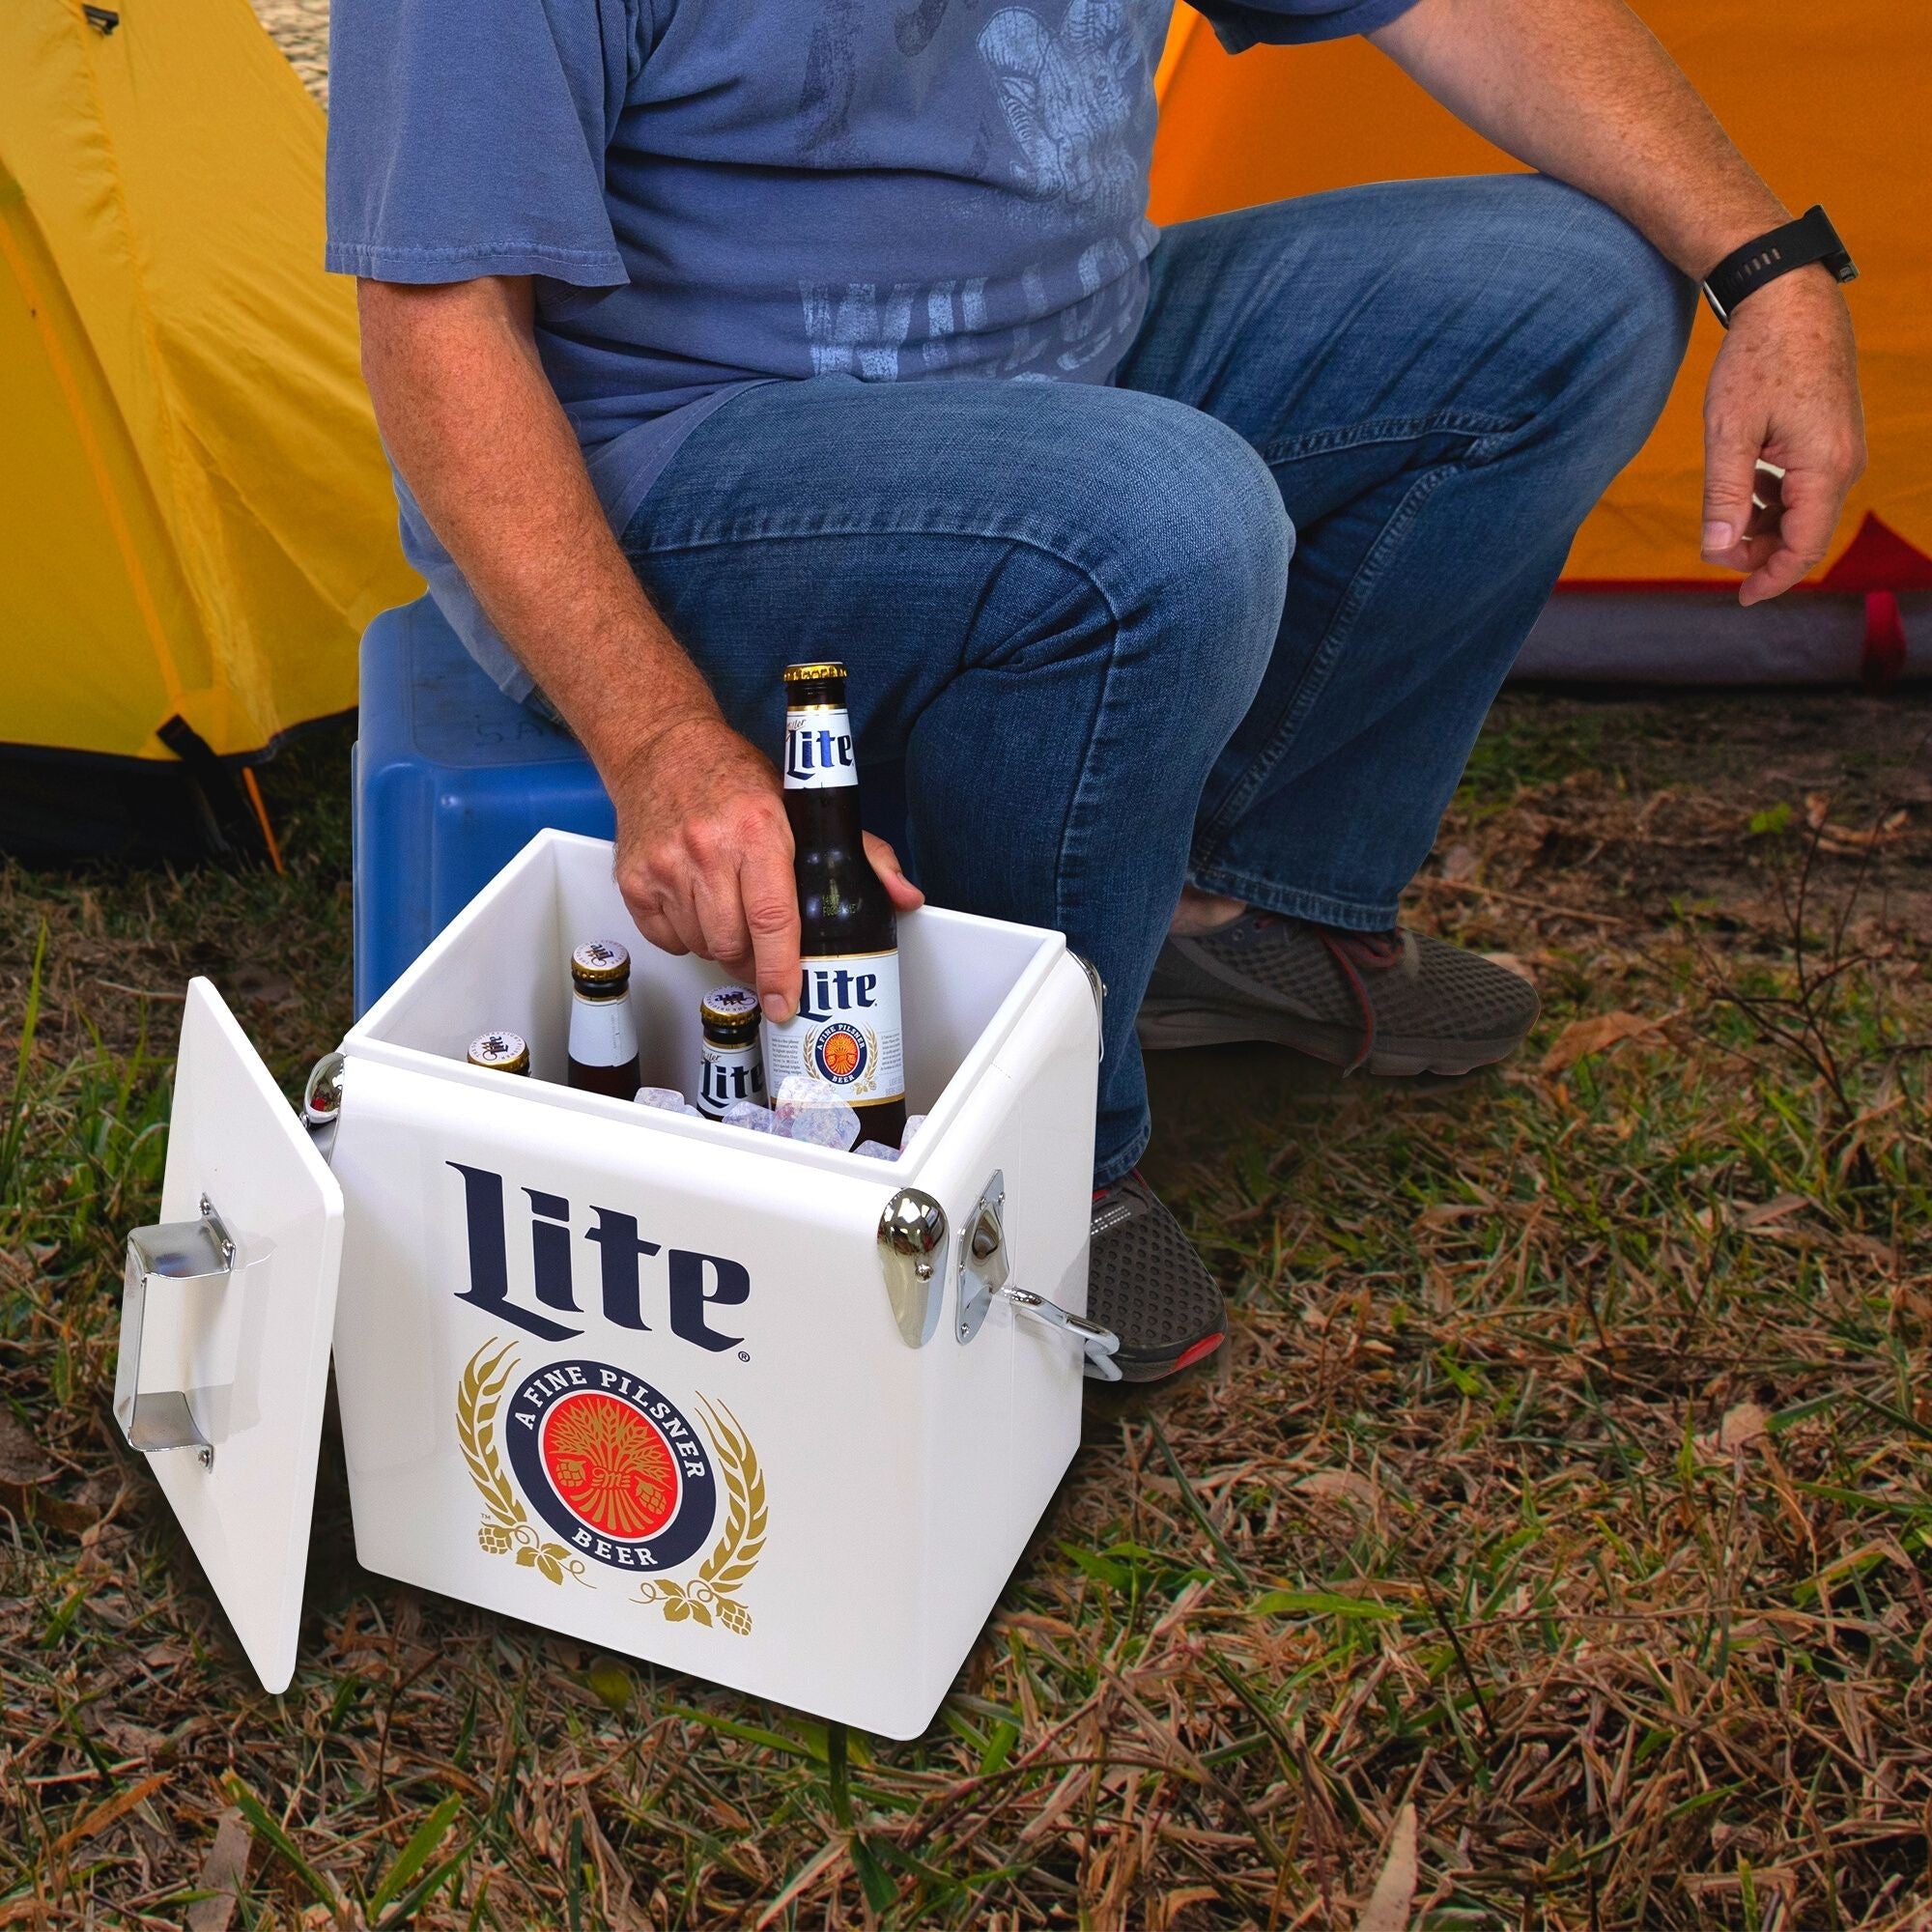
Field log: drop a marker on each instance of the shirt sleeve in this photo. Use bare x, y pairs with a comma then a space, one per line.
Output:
1239, 23
466, 137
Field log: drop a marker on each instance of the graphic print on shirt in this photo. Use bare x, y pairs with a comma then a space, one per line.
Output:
1068, 98
1065, 104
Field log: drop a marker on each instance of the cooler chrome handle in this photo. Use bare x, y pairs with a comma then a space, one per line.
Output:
985, 1270
174, 1251
1099, 1345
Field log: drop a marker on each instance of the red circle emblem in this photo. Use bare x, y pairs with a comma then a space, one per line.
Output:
839, 1052
610, 1466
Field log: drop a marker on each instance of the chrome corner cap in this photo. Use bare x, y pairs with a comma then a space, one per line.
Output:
912, 1242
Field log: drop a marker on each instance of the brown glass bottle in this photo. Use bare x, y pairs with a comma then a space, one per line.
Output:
603, 1036
846, 1030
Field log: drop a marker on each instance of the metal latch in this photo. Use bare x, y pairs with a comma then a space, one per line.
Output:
985, 1270
1099, 988
912, 1251
174, 1251
321, 1102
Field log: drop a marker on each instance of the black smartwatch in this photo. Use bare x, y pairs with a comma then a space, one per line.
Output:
1796, 245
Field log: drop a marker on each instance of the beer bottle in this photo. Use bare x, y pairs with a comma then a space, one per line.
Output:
501, 1052
730, 1066
603, 1036
846, 1030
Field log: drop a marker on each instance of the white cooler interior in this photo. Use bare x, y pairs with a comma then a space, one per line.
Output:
504, 962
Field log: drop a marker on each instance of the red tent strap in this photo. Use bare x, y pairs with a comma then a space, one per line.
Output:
1883, 661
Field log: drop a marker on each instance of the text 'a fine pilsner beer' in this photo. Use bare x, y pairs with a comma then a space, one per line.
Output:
603, 1036
730, 1066
846, 1030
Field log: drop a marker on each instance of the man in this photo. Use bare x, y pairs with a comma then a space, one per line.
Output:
1179, 570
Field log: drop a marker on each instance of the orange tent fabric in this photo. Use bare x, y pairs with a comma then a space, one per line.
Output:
1831, 98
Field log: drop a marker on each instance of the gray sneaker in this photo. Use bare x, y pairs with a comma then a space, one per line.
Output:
1146, 1282
1392, 1002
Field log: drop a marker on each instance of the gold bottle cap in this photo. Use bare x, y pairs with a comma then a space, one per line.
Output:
501, 1052
600, 962
814, 673
729, 1005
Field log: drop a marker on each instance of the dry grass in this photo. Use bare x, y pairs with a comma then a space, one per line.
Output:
1570, 1480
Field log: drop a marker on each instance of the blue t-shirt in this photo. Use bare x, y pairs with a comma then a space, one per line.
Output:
712, 195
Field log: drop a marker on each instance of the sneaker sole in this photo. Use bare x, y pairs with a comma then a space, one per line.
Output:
1166, 1025
1157, 1369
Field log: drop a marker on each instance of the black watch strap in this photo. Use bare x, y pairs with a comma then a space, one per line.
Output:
1796, 245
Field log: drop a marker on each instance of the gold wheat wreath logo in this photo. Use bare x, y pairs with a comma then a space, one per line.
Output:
712, 1597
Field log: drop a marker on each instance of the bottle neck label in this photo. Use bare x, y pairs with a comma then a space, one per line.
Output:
727, 1073
846, 1030
602, 1032
818, 749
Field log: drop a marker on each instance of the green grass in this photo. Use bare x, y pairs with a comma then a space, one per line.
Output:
1569, 1478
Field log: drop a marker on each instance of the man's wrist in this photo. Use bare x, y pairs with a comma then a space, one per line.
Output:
1801, 290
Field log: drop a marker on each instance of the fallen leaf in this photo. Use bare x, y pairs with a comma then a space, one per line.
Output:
1742, 1426
1389, 1906
1459, 863
1761, 1212
93, 1822
1594, 1035
221, 1874
1512, 962
34, 1504
610, 1683
1340, 1484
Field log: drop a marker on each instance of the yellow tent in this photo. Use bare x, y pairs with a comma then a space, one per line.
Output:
1831, 98
197, 517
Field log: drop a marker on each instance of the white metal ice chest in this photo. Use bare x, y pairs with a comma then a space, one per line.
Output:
756, 1411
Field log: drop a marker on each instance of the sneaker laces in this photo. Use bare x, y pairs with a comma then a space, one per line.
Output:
1357, 953
1354, 953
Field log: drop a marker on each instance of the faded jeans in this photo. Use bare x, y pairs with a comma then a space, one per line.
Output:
1235, 619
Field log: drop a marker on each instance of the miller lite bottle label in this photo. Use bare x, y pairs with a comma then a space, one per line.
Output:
730, 1066
846, 1030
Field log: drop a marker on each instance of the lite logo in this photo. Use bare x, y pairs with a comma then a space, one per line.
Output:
819, 754
831, 991
723, 1078
690, 1284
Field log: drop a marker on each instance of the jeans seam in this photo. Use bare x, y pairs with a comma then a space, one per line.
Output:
877, 528
1296, 901
1386, 428
1388, 540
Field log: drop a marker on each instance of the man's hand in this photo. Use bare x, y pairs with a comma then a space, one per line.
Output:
1782, 421
704, 855
1582, 90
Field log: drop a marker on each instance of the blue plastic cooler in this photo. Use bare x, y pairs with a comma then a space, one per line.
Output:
451, 780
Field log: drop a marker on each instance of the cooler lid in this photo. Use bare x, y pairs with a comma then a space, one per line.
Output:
227, 1309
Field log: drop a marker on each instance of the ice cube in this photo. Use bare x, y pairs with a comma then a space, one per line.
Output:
815, 1111
876, 1150
806, 1089
695, 1113
667, 1098
834, 1126
914, 1122
752, 1116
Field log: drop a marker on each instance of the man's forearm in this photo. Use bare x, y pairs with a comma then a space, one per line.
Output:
474, 425
1581, 90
